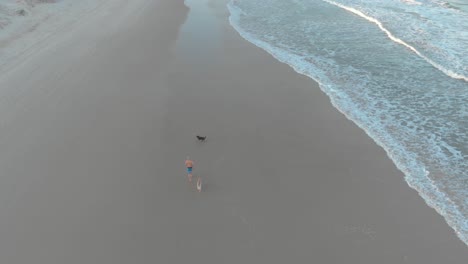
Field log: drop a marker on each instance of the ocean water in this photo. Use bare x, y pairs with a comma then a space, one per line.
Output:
397, 68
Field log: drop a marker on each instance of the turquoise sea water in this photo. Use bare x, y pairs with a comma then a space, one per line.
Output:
397, 68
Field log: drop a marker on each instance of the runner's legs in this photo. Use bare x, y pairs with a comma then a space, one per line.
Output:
189, 172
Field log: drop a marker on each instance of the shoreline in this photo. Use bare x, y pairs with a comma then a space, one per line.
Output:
94, 142
391, 173
416, 178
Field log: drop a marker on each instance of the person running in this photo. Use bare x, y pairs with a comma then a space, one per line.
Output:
189, 165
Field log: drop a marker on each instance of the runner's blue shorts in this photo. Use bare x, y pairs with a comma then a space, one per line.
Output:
189, 170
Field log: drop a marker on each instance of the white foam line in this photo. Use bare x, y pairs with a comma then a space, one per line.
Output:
399, 41
432, 202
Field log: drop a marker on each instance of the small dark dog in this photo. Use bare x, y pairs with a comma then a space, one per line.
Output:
200, 138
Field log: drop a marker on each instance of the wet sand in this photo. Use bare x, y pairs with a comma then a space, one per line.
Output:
95, 130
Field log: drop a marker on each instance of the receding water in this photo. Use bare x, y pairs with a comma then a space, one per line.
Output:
398, 69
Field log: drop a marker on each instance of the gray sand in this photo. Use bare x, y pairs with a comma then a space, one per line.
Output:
94, 133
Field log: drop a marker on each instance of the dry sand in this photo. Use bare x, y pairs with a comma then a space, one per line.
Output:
95, 130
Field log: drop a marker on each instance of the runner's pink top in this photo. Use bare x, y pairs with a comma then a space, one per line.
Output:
189, 163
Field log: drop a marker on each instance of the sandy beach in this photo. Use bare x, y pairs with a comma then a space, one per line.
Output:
95, 128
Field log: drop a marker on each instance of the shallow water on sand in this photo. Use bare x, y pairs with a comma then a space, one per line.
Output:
398, 69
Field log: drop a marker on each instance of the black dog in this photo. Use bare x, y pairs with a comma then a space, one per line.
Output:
200, 138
